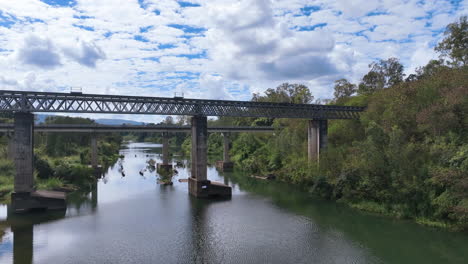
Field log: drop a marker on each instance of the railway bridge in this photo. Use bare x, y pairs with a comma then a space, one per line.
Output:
23, 104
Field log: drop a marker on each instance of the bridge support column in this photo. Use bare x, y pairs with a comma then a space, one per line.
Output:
94, 152
24, 153
11, 147
199, 185
226, 163
24, 196
317, 138
165, 153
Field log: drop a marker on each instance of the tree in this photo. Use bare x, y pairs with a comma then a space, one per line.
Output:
286, 93
431, 68
371, 82
383, 74
455, 44
344, 89
183, 120
169, 120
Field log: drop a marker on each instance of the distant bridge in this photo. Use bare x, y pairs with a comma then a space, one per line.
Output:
98, 128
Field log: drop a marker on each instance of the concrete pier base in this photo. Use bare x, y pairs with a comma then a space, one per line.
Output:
225, 166
23, 202
208, 189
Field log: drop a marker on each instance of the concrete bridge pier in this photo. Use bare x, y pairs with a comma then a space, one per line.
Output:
317, 138
11, 146
199, 185
94, 151
165, 153
24, 152
94, 155
25, 197
226, 163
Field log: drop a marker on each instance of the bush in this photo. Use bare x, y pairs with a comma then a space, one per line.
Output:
44, 170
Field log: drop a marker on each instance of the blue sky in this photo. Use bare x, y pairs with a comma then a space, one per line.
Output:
222, 49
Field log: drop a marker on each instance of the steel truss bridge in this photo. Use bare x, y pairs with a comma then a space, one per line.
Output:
97, 128
21, 101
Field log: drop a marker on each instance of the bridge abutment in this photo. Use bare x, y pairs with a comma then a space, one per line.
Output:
317, 135
199, 185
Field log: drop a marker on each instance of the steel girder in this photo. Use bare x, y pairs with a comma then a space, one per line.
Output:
19, 101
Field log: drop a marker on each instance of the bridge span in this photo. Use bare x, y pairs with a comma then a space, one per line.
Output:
98, 128
24, 103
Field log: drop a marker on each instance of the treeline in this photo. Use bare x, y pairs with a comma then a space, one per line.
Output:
59, 158
408, 154
67, 155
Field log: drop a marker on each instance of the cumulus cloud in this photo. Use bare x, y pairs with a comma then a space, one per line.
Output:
217, 48
85, 53
247, 42
38, 52
28, 82
214, 85
8, 81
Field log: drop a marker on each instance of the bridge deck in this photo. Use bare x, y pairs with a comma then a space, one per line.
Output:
92, 128
20, 101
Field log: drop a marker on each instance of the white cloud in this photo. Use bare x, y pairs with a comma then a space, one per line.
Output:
220, 49
214, 85
85, 53
38, 52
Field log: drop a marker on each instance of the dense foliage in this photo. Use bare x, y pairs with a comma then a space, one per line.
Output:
408, 154
59, 158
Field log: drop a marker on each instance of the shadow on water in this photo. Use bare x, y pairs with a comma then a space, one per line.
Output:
391, 240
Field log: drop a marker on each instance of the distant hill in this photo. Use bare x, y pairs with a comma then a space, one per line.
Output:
40, 118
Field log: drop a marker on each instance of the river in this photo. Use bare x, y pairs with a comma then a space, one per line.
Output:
132, 219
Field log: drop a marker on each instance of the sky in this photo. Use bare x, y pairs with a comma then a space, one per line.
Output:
211, 49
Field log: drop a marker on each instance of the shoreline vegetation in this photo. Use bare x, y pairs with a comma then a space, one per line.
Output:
61, 160
407, 156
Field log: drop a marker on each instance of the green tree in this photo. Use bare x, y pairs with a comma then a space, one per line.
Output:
286, 93
344, 89
455, 44
382, 74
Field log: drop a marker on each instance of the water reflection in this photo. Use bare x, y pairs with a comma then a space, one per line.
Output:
389, 240
22, 228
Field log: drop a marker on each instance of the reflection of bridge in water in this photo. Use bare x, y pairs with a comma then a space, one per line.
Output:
23, 104
22, 225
